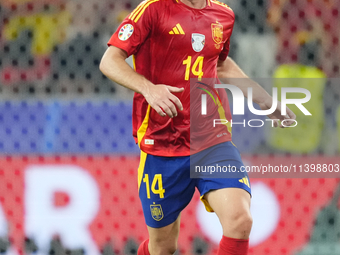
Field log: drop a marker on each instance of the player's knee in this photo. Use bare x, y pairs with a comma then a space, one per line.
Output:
163, 247
244, 223
171, 250
164, 250
238, 223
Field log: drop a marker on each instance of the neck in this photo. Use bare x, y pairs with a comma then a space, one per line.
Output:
197, 4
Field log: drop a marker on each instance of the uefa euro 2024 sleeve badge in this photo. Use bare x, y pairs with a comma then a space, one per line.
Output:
198, 42
156, 212
125, 32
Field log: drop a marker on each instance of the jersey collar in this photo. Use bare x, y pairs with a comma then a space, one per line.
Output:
180, 2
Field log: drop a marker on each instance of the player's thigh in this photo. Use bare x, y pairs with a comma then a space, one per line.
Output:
165, 188
232, 206
227, 192
229, 203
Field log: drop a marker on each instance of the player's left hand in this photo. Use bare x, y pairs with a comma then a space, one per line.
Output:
276, 115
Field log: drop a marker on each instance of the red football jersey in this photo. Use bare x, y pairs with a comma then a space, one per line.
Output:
174, 44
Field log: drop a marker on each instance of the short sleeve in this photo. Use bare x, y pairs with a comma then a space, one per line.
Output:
226, 47
224, 53
134, 30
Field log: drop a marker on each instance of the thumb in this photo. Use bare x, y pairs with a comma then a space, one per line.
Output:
175, 89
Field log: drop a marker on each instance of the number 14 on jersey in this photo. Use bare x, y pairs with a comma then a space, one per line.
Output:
196, 68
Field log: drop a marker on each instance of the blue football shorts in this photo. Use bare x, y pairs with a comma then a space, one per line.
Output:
166, 185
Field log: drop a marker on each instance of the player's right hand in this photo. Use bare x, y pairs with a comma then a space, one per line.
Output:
276, 115
161, 99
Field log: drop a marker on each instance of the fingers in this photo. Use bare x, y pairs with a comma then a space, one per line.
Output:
162, 100
276, 123
169, 108
289, 118
175, 99
177, 102
175, 89
166, 108
159, 111
290, 114
286, 120
169, 105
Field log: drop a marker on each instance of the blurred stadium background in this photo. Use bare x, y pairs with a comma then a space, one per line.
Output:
68, 162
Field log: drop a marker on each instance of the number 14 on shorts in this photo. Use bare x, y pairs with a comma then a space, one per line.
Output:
157, 179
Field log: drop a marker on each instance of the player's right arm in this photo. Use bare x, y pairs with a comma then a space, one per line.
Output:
126, 41
159, 96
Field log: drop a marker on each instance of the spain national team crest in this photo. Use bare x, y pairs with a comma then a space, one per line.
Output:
125, 32
198, 42
217, 32
156, 212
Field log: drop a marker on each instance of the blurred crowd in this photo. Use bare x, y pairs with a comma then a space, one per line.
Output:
288, 32
54, 47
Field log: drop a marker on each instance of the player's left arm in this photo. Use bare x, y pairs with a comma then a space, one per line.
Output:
230, 73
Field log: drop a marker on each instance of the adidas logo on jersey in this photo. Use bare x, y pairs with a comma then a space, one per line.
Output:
177, 30
245, 181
